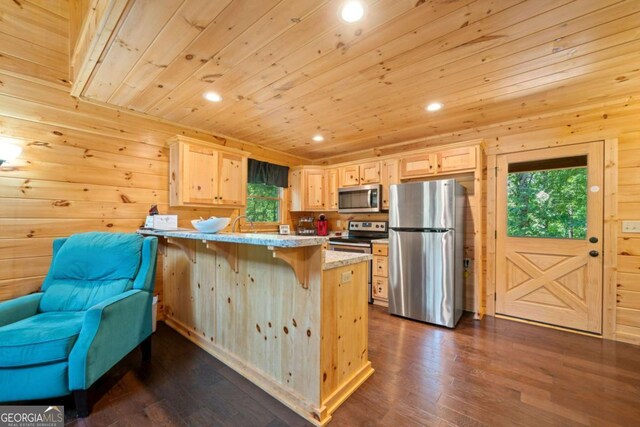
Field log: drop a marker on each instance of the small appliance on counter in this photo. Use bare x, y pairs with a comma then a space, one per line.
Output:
306, 226
322, 225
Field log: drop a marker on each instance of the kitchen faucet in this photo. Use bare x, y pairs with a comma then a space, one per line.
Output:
233, 225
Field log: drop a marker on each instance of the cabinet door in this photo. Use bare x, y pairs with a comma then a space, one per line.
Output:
332, 184
350, 176
201, 174
416, 166
380, 288
370, 173
232, 187
457, 159
314, 186
388, 176
380, 266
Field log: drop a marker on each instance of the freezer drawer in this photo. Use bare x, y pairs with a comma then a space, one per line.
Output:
425, 282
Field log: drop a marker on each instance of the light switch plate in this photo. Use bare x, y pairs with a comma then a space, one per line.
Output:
346, 277
631, 226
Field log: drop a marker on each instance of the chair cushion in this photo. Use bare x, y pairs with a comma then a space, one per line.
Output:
43, 338
89, 268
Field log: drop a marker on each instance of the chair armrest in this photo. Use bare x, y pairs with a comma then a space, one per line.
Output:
110, 331
146, 277
19, 308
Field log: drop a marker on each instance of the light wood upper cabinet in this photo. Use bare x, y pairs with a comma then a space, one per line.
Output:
315, 194
201, 175
232, 189
332, 183
350, 175
446, 161
388, 176
363, 174
417, 165
307, 189
457, 159
370, 173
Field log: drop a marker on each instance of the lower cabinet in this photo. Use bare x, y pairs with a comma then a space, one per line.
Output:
380, 279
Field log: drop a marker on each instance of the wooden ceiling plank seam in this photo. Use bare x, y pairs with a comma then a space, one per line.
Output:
246, 135
114, 122
190, 97
14, 24
528, 125
173, 76
36, 16
59, 8
261, 79
350, 46
453, 133
129, 43
19, 48
450, 104
13, 66
197, 17
456, 87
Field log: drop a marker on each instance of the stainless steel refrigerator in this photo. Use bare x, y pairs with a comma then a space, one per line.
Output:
426, 234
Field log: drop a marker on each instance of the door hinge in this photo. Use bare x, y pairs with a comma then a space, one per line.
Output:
496, 169
495, 297
495, 234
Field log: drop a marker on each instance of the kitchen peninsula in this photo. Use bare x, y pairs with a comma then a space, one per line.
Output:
281, 310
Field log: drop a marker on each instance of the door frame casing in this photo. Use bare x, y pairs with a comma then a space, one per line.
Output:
610, 213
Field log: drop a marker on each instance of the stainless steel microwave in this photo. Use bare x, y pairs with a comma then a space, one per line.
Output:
365, 198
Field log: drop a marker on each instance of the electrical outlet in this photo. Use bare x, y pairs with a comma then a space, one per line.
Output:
631, 226
346, 277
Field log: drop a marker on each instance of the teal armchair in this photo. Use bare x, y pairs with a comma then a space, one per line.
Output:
95, 306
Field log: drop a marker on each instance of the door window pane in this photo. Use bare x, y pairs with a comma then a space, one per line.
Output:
548, 203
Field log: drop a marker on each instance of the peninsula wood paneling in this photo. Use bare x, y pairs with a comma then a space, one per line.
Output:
84, 167
288, 69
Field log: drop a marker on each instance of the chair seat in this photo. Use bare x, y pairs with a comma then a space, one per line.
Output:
43, 338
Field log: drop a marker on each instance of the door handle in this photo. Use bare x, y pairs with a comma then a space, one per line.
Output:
594, 253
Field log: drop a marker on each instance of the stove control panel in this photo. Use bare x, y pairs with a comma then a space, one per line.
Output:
370, 226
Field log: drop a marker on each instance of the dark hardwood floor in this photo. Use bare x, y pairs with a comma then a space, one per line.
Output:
495, 372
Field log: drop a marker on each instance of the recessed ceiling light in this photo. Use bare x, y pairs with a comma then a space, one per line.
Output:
318, 138
212, 96
352, 11
434, 106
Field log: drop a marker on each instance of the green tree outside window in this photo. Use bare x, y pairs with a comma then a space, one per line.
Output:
263, 203
548, 203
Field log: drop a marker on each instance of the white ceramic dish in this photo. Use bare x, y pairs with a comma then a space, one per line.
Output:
211, 225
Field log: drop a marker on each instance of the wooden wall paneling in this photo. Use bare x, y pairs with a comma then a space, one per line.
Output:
609, 235
490, 235
478, 232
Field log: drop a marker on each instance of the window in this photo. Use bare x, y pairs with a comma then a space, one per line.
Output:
263, 202
551, 202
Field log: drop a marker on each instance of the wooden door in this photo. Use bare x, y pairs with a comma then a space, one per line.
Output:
232, 188
370, 173
332, 184
314, 186
457, 159
201, 174
549, 216
350, 176
417, 166
388, 176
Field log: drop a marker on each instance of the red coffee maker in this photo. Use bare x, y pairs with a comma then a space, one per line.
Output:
322, 225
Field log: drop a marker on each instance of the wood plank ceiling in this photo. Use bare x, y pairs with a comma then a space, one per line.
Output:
289, 69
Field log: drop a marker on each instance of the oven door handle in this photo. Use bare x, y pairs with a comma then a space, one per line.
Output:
357, 245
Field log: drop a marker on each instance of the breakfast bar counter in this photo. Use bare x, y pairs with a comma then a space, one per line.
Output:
282, 311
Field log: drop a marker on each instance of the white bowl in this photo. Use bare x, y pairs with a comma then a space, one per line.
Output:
211, 225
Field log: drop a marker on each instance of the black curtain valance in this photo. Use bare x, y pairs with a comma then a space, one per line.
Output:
268, 173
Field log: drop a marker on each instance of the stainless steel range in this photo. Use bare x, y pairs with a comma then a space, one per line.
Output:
361, 233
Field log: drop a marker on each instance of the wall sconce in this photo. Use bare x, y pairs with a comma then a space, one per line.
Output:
8, 152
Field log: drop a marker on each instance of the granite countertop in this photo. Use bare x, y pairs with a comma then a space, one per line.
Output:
381, 241
260, 239
335, 259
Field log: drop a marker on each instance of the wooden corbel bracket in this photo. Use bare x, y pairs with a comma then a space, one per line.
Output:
188, 249
296, 258
229, 251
